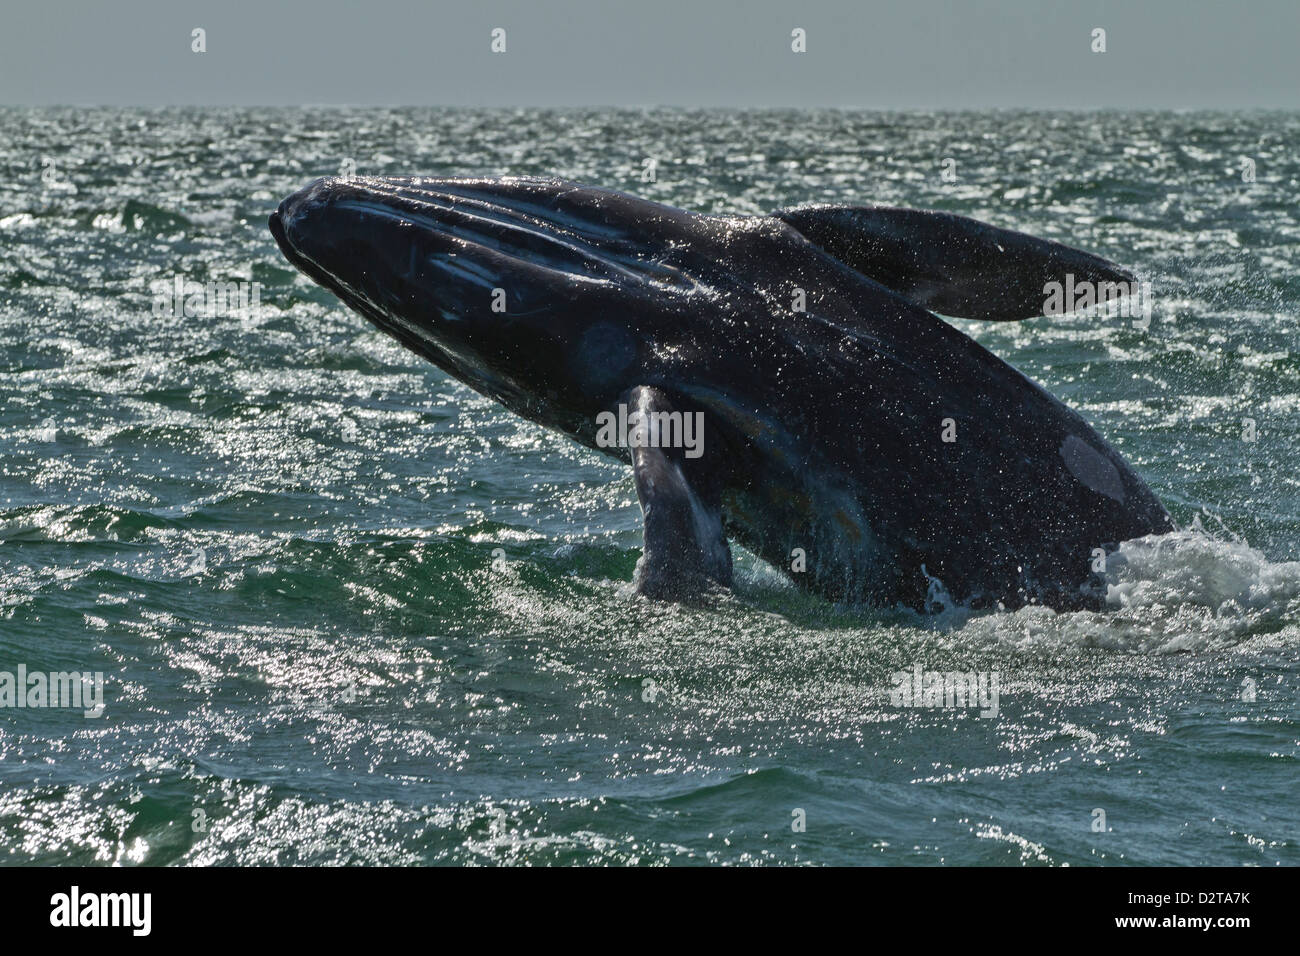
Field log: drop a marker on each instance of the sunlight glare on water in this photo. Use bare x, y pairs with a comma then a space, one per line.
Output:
275, 532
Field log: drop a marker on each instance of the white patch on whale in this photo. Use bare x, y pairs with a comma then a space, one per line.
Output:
1092, 468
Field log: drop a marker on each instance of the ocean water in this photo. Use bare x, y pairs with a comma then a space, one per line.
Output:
347, 611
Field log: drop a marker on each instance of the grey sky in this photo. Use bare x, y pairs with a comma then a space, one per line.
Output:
909, 54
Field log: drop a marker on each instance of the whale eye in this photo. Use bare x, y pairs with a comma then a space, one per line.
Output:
1092, 468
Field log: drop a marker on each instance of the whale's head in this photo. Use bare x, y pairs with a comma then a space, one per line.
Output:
550, 299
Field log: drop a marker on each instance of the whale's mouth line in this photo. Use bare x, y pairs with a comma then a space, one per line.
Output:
299, 258
312, 269
516, 227
518, 247
409, 333
473, 264
523, 238
355, 300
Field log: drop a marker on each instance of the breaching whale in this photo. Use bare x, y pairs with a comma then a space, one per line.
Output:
849, 436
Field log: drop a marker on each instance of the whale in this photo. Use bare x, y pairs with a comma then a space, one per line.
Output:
785, 382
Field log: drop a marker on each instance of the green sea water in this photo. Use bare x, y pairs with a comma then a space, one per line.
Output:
347, 611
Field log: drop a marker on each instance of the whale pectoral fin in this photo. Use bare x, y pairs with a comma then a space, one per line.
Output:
954, 265
685, 550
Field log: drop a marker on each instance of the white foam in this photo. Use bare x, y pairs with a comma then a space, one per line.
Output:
1183, 591
1197, 569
